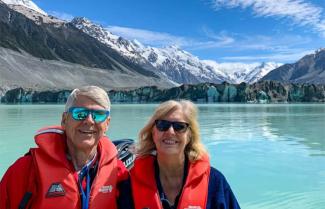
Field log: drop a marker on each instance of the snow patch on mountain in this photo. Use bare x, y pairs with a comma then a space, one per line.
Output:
176, 64
33, 12
26, 3
126, 48
181, 66
243, 72
173, 62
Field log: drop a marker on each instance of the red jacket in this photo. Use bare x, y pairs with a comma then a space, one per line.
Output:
49, 176
145, 193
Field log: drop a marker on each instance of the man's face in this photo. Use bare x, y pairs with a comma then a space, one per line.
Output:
83, 135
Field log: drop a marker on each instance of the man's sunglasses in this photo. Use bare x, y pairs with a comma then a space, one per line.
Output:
164, 125
81, 113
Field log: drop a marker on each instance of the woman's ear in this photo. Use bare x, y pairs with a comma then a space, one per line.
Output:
189, 137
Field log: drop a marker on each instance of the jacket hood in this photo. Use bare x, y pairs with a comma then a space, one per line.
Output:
52, 141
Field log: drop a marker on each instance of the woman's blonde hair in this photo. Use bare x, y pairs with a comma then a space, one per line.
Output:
194, 150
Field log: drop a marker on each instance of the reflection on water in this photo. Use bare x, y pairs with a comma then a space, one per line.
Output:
276, 150
298, 123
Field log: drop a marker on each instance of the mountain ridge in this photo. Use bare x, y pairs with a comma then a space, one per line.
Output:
80, 42
68, 48
308, 69
178, 65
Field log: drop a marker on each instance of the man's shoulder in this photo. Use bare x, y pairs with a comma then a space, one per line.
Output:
21, 164
19, 172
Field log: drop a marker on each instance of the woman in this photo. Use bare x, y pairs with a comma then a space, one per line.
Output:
172, 168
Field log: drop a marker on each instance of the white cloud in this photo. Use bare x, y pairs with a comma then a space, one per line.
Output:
61, 15
281, 48
299, 12
149, 37
220, 39
160, 39
271, 43
283, 57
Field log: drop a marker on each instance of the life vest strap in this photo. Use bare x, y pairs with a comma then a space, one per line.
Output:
23, 203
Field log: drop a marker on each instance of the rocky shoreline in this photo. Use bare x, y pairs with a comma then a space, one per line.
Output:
261, 92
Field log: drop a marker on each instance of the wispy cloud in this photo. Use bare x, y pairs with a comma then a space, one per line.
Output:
159, 39
61, 15
148, 37
299, 12
270, 43
221, 38
283, 57
281, 48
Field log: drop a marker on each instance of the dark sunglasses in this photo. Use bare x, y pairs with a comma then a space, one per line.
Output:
81, 113
164, 125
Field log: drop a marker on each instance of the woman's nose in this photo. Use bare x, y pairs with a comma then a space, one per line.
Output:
170, 130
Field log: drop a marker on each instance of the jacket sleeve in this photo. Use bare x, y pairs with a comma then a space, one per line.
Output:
124, 199
220, 195
14, 183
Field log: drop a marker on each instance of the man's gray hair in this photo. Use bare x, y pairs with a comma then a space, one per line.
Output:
95, 93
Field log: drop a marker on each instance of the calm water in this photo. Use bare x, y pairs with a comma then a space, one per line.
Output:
272, 155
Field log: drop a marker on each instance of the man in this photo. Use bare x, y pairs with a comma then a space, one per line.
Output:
75, 165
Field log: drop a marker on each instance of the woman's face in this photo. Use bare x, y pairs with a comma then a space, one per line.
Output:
171, 141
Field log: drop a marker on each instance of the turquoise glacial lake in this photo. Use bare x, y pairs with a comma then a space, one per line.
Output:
273, 155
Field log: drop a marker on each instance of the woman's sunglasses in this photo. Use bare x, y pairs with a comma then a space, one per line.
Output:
81, 113
164, 125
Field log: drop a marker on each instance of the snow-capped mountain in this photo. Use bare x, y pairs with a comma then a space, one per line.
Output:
243, 72
170, 62
25, 3
126, 48
260, 71
32, 11
176, 64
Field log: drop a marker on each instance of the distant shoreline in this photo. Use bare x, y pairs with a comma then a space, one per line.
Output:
264, 92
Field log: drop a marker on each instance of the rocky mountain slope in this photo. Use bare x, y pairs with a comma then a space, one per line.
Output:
67, 47
43, 52
309, 69
176, 64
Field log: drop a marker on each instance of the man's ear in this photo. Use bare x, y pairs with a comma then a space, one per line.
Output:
64, 119
108, 120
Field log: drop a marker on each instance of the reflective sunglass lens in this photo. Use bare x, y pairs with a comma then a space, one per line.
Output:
79, 113
99, 116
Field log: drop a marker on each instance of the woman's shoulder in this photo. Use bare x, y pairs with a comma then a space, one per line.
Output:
220, 194
216, 173
217, 179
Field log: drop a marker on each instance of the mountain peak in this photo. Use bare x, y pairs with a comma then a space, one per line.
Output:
25, 3
81, 20
319, 50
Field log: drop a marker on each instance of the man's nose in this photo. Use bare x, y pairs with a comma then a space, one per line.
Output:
89, 118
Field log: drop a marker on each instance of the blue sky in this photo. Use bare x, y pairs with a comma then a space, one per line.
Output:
221, 30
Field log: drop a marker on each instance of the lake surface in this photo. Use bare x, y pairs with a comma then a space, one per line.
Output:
272, 155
